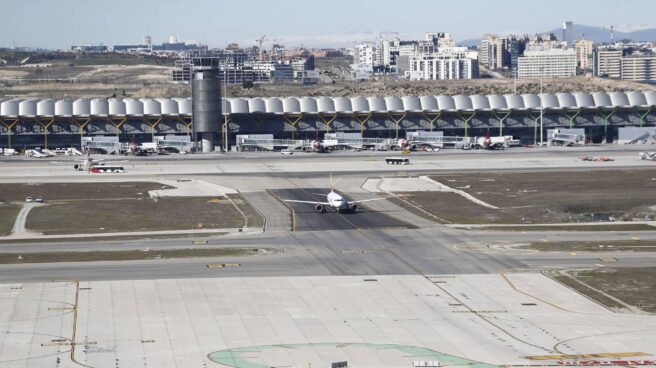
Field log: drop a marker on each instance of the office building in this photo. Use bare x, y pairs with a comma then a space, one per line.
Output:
568, 34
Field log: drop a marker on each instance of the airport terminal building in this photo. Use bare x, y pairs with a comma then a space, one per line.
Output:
28, 123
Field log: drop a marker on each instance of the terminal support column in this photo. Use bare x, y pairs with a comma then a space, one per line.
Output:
118, 125
466, 117
187, 124
535, 125
362, 119
327, 120
432, 119
9, 127
152, 126
571, 117
45, 131
81, 126
642, 116
292, 120
605, 117
397, 121
501, 118
258, 122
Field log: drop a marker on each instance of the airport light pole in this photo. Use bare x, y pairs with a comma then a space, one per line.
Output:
225, 113
541, 108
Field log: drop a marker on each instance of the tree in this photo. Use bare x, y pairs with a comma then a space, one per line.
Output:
247, 84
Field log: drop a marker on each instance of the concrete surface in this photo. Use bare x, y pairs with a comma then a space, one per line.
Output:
419, 184
438, 289
462, 320
191, 188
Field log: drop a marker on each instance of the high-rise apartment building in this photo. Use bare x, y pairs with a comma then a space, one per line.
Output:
639, 67
583, 49
492, 51
444, 64
607, 63
552, 63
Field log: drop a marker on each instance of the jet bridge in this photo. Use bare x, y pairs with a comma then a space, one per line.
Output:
101, 144
266, 142
566, 137
422, 139
336, 141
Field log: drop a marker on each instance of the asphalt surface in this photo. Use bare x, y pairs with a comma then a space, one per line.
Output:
250, 164
427, 251
307, 218
370, 242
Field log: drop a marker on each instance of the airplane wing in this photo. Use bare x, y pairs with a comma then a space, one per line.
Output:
366, 200
310, 202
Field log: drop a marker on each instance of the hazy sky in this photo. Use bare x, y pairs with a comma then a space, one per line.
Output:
61, 23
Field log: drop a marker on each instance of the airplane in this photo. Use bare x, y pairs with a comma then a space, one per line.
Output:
334, 200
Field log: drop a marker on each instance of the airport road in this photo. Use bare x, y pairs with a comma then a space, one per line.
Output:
309, 164
329, 252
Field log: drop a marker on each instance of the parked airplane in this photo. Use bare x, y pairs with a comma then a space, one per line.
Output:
334, 200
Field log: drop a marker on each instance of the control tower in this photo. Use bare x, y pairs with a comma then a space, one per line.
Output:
206, 100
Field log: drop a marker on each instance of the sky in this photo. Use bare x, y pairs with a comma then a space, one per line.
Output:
58, 24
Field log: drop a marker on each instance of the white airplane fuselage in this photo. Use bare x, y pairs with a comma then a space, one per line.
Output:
336, 201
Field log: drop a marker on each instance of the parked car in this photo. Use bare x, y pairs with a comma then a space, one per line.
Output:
28, 199
39, 199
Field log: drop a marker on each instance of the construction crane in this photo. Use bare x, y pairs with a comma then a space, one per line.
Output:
260, 42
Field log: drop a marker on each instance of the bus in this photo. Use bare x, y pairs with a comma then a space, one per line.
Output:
100, 169
397, 160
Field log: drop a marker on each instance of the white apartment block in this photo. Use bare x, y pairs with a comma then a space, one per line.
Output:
446, 64
639, 68
363, 54
554, 63
390, 49
607, 63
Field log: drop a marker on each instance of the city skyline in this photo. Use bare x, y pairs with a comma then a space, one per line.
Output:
293, 23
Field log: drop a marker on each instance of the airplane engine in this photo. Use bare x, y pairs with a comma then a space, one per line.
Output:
354, 207
319, 208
